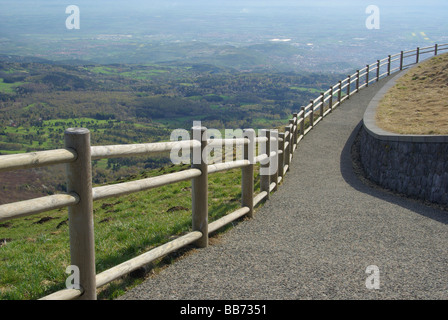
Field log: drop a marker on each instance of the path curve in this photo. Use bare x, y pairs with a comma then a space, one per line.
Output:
318, 233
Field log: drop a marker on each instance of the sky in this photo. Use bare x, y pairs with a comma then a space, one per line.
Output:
108, 15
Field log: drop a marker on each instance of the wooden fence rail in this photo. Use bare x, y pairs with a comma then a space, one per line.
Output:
78, 155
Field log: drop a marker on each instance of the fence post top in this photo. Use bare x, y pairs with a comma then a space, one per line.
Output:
201, 128
77, 131
249, 134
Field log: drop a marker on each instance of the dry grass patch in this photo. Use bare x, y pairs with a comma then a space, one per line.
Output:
418, 103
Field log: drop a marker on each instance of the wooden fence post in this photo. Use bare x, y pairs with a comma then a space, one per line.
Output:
357, 80
330, 102
247, 173
417, 59
281, 155
339, 93
312, 113
436, 47
367, 75
265, 179
302, 124
274, 177
348, 86
378, 63
291, 145
296, 128
322, 99
81, 228
389, 61
287, 152
401, 60
199, 189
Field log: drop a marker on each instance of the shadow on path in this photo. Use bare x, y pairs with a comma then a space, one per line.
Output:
317, 234
352, 172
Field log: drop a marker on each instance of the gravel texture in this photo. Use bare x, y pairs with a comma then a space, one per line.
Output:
318, 233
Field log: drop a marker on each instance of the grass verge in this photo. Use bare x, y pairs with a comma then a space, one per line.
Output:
34, 251
418, 103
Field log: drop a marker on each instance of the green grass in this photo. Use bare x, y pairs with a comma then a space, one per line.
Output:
141, 74
103, 70
9, 87
303, 89
261, 122
35, 256
12, 71
50, 133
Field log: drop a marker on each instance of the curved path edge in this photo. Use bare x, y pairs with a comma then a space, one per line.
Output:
318, 235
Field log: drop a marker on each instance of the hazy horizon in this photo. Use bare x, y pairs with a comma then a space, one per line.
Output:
330, 29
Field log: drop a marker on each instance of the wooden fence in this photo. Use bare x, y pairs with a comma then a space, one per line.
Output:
78, 155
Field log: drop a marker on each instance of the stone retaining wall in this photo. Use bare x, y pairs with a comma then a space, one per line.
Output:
415, 165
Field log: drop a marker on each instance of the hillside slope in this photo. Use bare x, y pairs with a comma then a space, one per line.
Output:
418, 103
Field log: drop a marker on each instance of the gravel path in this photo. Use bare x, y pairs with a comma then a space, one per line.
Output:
317, 235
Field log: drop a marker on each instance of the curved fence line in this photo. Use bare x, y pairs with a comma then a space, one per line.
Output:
78, 155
